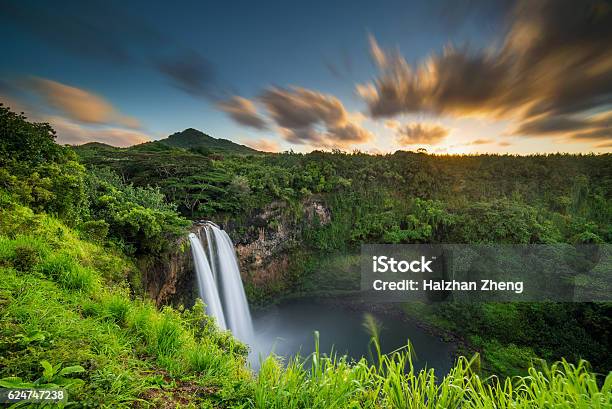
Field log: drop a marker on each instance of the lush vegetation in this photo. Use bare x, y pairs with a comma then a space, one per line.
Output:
406, 197
72, 313
65, 302
68, 320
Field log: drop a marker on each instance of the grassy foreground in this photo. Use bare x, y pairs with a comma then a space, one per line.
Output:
67, 318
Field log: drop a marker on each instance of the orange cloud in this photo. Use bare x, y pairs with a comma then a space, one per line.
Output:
264, 145
72, 133
243, 111
80, 105
604, 145
481, 142
313, 118
542, 75
420, 134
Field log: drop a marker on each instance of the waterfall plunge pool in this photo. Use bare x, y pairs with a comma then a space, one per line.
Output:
287, 329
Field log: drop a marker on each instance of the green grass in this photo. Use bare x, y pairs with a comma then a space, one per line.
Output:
67, 317
332, 382
65, 270
66, 306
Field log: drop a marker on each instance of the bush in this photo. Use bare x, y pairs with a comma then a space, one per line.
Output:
167, 336
208, 361
26, 257
69, 274
112, 307
95, 230
161, 332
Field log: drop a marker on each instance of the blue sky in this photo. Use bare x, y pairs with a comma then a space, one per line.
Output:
169, 66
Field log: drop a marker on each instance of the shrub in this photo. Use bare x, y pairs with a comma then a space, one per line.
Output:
208, 361
117, 308
95, 230
112, 307
167, 335
25, 258
69, 274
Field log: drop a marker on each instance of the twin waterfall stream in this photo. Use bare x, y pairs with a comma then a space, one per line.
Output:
219, 282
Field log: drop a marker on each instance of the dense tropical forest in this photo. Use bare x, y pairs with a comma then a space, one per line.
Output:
80, 226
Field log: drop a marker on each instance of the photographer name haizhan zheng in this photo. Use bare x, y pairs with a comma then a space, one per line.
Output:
453, 285
485, 285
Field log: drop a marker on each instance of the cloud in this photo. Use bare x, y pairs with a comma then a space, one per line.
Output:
243, 111
303, 136
191, 73
340, 68
554, 64
604, 145
378, 55
392, 124
595, 127
72, 133
348, 134
309, 117
91, 29
420, 134
300, 108
482, 142
593, 134
102, 31
78, 104
504, 143
264, 145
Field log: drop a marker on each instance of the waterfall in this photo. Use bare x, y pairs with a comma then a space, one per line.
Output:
211, 253
237, 312
206, 283
225, 282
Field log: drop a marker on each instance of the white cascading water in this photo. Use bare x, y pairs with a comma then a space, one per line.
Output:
223, 269
206, 282
211, 252
236, 307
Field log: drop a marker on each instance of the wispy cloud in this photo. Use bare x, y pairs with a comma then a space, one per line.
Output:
264, 145
81, 116
72, 133
420, 134
592, 128
190, 72
554, 65
482, 142
79, 104
243, 111
309, 117
92, 29
301, 116
100, 31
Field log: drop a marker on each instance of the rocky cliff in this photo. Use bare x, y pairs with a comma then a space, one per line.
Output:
266, 245
170, 280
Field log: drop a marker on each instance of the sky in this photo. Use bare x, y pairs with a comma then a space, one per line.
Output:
467, 76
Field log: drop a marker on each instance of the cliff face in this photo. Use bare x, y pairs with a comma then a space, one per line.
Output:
266, 242
170, 280
265, 246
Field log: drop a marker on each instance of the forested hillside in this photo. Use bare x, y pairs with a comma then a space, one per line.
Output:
74, 314
562, 197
